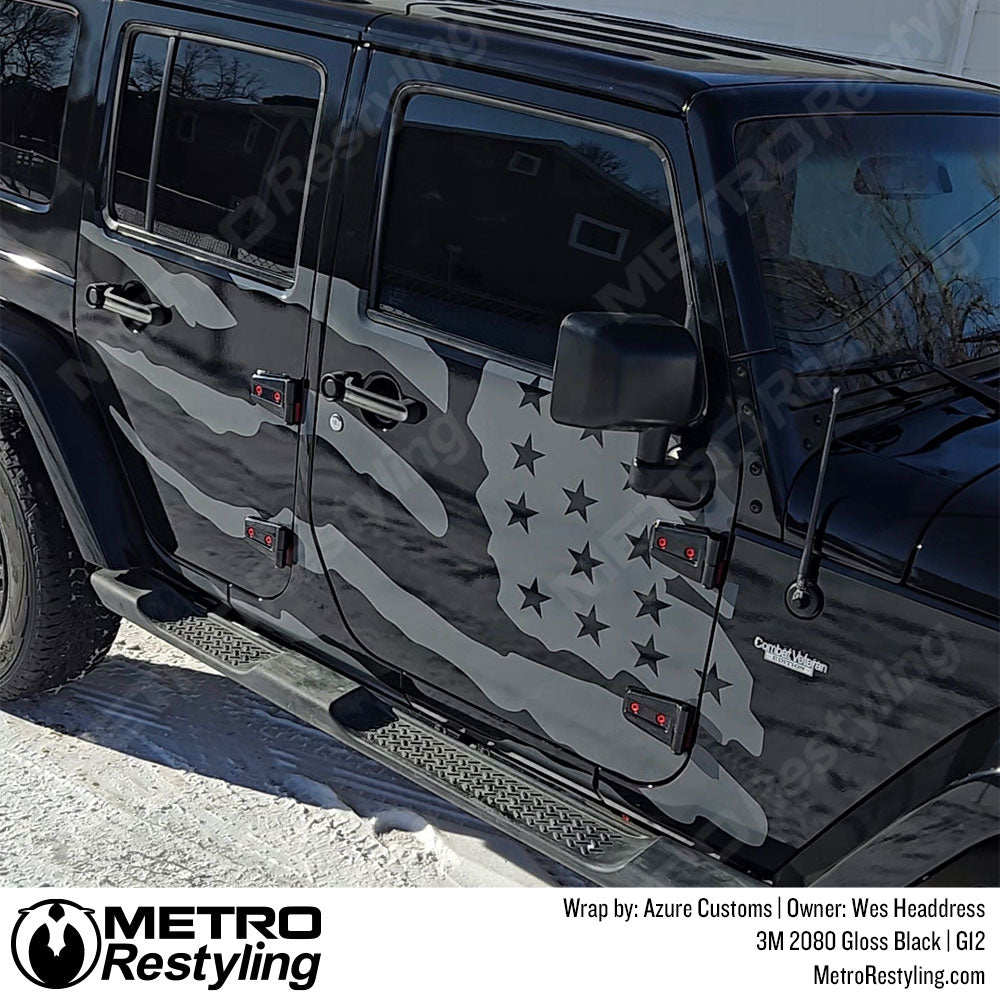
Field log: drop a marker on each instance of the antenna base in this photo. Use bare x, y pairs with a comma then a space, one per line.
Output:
804, 599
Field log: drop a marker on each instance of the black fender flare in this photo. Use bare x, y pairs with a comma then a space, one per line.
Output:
41, 370
961, 817
928, 814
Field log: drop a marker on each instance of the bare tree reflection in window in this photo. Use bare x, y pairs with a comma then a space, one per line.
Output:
896, 277
36, 49
212, 73
237, 123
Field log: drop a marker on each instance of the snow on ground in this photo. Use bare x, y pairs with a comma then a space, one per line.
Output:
155, 770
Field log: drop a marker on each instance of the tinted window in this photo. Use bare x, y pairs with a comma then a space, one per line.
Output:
137, 121
499, 223
233, 154
236, 142
36, 56
878, 239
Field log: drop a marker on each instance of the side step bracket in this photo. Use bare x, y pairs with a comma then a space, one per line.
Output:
583, 837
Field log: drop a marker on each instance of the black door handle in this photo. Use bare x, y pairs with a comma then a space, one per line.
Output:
130, 302
348, 388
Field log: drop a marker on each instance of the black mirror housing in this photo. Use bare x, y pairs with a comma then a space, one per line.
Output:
625, 372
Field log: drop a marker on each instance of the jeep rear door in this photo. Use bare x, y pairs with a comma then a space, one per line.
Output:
496, 558
197, 216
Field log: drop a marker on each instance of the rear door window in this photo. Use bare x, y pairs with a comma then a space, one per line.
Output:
37, 43
226, 147
140, 102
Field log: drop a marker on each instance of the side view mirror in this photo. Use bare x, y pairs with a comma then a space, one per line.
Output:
618, 372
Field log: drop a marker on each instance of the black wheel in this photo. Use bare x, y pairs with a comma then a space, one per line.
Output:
52, 627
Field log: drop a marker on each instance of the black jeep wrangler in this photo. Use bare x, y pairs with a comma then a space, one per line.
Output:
594, 421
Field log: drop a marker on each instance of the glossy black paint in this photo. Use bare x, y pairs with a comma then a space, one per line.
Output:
917, 460
956, 559
960, 820
905, 673
895, 742
666, 68
846, 845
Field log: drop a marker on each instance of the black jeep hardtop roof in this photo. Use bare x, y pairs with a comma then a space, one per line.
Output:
656, 63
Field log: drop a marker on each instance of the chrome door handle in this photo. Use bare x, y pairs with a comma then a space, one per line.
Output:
123, 301
346, 387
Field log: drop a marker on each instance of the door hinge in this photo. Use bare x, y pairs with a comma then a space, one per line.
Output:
278, 393
692, 552
273, 538
668, 720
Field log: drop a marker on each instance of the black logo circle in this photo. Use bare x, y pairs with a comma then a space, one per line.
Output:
55, 943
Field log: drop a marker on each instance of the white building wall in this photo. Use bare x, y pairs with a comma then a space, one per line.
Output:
982, 57
950, 36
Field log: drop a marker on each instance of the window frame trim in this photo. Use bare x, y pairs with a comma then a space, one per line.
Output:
30, 204
403, 95
146, 236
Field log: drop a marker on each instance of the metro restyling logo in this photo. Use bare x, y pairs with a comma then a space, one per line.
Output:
57, 944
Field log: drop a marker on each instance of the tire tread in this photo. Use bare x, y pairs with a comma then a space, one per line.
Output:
69, 631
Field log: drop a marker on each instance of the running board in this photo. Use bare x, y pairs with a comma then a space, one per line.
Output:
584, 838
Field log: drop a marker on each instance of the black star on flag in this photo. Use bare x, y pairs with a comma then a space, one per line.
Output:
640, 546
533, 394
578, 501
650, 604
533, 597
526, 455
714, 684
590, 626
648, 655
520, 513
598, 436
585, 562
628, 475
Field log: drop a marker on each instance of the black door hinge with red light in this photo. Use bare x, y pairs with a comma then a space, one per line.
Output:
667, 720
273, 538
279, 394
692, 552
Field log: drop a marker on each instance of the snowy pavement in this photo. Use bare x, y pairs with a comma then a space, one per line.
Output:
155, 770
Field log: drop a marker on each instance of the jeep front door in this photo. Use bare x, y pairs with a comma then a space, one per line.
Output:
497, 558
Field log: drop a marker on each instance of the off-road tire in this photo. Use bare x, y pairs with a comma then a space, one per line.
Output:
52, 627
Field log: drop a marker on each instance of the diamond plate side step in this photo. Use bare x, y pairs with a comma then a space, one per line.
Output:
583, 837
600, 842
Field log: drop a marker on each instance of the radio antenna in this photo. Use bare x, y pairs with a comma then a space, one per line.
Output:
803, 597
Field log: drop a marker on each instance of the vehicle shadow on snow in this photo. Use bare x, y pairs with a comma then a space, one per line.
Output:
198, 721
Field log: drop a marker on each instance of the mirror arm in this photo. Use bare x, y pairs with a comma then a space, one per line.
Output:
687, 480
653, 446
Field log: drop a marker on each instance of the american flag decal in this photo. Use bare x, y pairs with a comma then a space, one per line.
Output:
570, 541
